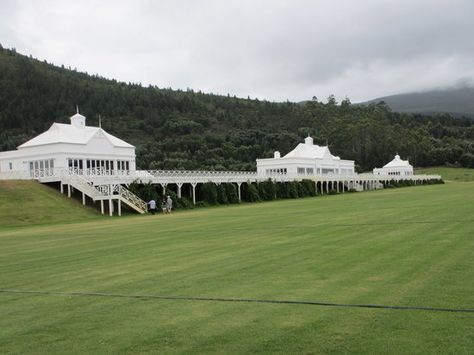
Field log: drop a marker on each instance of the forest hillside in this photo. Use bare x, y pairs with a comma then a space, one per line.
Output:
175, 129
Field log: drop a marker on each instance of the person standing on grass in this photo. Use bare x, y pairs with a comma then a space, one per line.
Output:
169, 204
152, 205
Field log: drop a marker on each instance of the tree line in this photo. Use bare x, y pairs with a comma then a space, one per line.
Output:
176, 129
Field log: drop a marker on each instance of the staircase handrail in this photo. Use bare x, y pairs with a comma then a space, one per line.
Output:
133, 199
82, 183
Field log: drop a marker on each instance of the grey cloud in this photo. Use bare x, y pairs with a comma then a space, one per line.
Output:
268, 49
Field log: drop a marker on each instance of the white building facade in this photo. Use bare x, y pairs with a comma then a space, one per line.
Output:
397, 167
306, 160
75, 146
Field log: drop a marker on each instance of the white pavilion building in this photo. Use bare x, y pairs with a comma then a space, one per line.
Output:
75, 146
397, 167
306, 160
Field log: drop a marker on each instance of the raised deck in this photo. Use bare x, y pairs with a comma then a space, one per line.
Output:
101, 185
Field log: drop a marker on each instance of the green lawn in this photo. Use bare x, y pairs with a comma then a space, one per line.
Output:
410, 246
449, 174
24, 203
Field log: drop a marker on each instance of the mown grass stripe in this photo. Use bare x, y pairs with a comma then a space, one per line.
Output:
244, 300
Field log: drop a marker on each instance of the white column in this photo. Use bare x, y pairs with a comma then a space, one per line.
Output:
62, 187
327, 187
68, 190
337, 186
119, 202
111, 202
238, 191
83, 198
102, 206
194, 192
179, 189
164, 188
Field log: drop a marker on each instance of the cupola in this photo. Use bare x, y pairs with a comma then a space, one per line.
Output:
78, 120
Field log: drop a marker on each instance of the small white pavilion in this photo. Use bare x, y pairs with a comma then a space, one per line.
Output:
396, 167
306, 160
75, 146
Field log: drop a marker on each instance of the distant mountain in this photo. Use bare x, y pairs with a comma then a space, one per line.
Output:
457, 101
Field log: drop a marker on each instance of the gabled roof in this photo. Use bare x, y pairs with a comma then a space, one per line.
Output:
397, 163
309, 150
303, 150
68, 133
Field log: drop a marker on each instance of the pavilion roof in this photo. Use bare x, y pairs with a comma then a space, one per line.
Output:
310, 150
397, 162
68, 133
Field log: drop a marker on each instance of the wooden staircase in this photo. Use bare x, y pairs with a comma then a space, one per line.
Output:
104, 192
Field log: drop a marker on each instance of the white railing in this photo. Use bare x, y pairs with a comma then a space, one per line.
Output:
15, 175
113, 191
200, 173
133, 200
80, 183
369, 176
105, 177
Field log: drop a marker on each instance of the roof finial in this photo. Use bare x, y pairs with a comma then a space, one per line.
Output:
100, 122
77, 108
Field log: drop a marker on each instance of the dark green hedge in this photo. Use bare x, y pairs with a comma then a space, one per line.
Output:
210, 194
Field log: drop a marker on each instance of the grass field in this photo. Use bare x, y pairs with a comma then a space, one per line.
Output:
411, 246
449, 174
24, 203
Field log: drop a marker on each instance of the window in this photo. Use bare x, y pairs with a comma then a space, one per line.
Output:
10, 165
300, 171
309, 171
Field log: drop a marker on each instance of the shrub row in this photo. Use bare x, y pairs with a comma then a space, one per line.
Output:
210, 194
404, 183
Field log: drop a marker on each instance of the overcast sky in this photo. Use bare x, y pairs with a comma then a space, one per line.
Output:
275, 50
